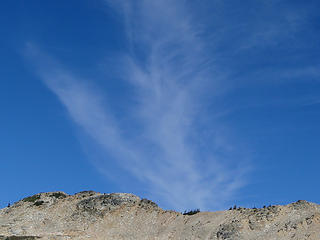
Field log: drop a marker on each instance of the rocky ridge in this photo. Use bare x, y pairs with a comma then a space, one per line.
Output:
91, 215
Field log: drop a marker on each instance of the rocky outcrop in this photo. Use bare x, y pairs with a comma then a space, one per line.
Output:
91, 215
101, 204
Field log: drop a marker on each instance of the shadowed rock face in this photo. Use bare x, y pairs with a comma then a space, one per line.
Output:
91, 215
106, 202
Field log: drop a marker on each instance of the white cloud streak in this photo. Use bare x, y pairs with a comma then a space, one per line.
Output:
167, 68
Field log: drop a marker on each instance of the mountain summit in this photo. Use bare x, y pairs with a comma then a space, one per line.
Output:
92, 215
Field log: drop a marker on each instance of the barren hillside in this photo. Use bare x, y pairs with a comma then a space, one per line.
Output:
91, 215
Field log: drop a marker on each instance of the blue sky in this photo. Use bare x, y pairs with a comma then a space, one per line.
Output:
193, 104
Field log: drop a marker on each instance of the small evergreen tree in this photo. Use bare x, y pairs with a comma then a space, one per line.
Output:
192, 212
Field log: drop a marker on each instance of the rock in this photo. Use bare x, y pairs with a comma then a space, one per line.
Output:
145, 203
229, 230
92, 215
107, 202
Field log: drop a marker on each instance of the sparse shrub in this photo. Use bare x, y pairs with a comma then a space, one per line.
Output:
192, 212
234, 207
32, 198
58, 195
86, 193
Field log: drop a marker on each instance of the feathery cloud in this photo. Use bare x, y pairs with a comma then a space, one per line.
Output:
181, 159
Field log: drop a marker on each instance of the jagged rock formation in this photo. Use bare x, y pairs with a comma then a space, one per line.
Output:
91, 215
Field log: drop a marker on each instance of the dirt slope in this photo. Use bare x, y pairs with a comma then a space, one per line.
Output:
91, 215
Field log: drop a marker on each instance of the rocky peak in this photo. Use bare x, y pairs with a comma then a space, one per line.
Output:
40, 199
92, 215
107, 202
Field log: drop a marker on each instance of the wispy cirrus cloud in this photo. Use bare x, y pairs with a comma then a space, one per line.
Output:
181, 159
